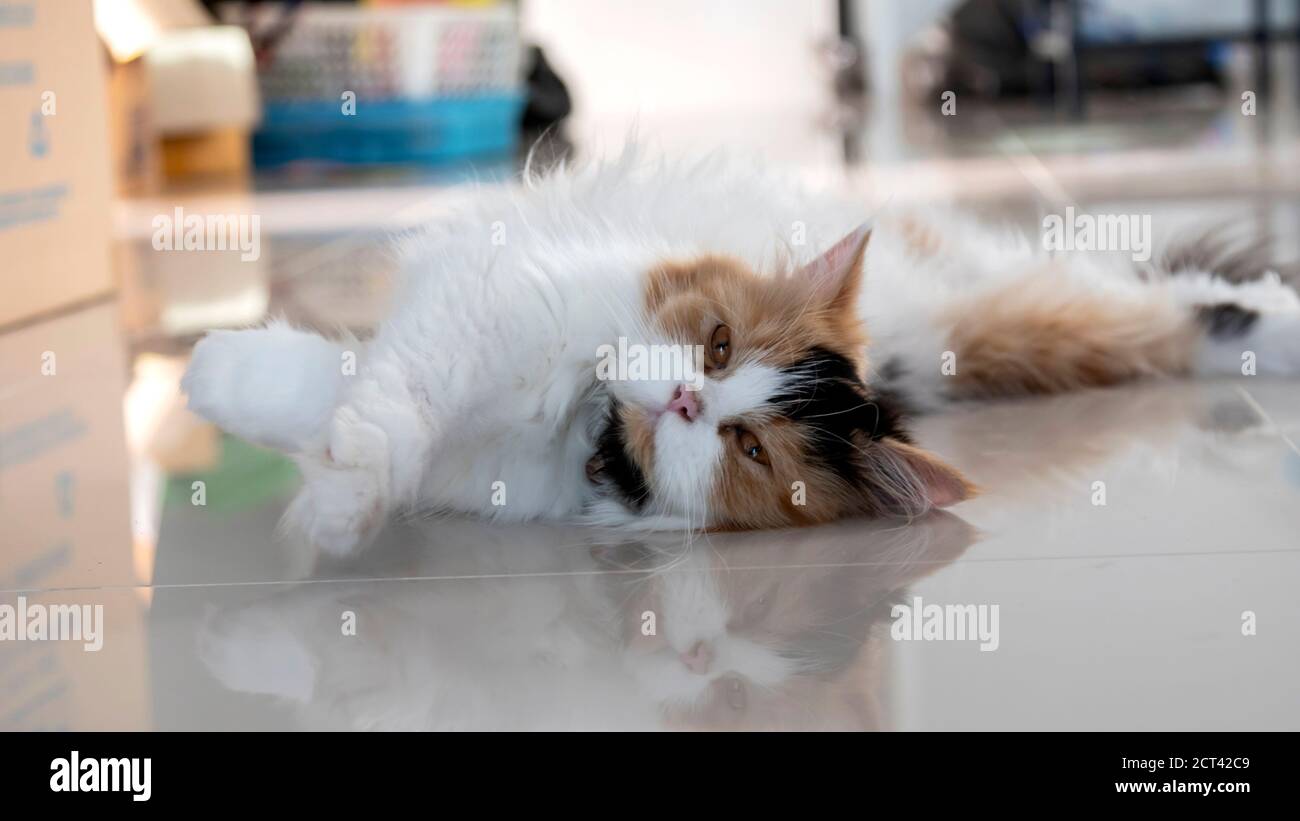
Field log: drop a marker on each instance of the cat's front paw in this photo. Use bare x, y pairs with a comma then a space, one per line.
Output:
339, 510
344, 498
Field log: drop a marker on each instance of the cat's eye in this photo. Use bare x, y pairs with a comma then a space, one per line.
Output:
750, 446
720, 346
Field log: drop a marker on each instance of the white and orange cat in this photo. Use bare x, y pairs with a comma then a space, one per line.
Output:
480, 392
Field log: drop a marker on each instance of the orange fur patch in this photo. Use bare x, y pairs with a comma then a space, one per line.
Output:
775, 314
920, 238
749, 495
1045, 334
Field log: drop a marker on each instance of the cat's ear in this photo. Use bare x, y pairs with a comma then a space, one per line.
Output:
903, 480
836, 275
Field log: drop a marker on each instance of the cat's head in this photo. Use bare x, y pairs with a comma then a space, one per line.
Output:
781, 429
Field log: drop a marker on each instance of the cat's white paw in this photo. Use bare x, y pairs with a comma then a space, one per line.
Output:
344, 498
338, 510
219, 364
355, 442
274, 386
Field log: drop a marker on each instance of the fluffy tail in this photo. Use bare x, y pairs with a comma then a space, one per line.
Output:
273, 386
1204, 310
1246, 307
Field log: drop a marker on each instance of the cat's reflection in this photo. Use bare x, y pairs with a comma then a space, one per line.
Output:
551, 627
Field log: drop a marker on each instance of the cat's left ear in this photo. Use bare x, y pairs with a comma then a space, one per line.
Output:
836, 275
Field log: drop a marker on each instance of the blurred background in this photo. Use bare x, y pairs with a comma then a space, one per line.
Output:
301, 135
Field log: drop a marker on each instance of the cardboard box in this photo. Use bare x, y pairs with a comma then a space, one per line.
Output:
136, 156
64, 475
222, 154
60, 685
129, 29
54, 193
203, 79
65, 523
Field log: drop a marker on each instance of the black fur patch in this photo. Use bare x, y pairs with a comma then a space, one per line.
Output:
618, 470
1226, 320
828, 399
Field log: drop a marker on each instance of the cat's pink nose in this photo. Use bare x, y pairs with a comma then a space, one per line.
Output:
698, 658
684, 404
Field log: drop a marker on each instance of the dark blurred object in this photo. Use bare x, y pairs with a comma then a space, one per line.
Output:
1008, 48
266, 36
544, 142
848, 56
548, 96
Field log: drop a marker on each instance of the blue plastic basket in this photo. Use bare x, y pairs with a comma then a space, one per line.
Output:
423, 84
426, 132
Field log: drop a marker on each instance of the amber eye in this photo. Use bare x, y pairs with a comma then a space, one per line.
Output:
749, 446
720, 346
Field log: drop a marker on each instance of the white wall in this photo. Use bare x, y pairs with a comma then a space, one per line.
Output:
675, 58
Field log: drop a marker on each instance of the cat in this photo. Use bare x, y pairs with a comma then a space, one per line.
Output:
820, 328
755, 630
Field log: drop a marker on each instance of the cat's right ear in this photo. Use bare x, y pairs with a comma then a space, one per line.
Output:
836, 275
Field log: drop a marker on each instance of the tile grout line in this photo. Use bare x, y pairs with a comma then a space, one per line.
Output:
636, 571
1263, 414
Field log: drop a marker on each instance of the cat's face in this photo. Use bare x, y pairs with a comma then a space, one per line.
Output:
782, 429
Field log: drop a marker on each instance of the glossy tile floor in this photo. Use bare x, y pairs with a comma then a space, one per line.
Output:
1122, 614
1132, 563
1125, 537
